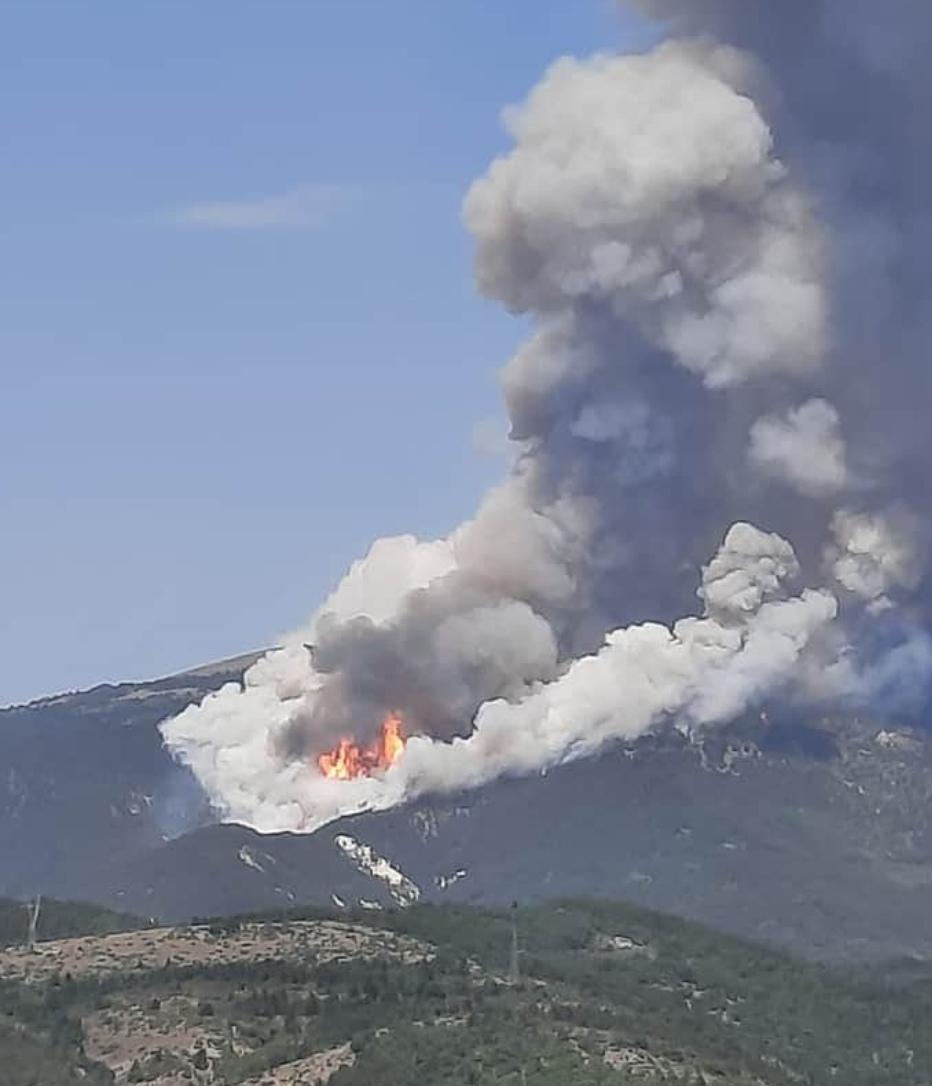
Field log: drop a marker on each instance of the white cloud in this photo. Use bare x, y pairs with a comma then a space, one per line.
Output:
306, 207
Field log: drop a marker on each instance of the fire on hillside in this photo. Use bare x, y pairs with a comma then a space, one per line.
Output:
349, 759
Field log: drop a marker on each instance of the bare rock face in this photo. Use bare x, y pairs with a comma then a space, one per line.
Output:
814, 834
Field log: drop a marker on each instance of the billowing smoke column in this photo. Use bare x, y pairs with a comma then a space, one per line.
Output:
717, 492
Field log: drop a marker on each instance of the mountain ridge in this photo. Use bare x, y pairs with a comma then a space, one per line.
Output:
809, 833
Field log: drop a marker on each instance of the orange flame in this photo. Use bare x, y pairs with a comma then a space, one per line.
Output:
349, 760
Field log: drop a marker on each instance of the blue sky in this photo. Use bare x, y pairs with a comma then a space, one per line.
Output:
239, 335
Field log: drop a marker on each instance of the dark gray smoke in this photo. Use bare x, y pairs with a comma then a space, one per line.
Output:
845, 86
723, 246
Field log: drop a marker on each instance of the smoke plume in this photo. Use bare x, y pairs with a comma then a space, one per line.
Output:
717, 488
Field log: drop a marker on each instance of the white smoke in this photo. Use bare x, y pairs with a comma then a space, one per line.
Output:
651, 182
873, 553
232, 739
706, 669
750, 566
684, 293
804, 448
377, 585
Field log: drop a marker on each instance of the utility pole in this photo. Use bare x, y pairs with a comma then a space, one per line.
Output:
514, 968
32, 911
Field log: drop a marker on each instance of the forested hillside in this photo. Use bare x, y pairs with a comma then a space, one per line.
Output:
603, 993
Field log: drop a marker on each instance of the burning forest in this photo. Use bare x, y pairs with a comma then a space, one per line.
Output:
717, 491
348, 760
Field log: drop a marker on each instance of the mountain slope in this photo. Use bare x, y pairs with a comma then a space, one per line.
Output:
825, 856
810, 834
84, 777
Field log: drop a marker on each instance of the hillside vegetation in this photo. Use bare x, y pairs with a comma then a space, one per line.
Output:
605, 993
